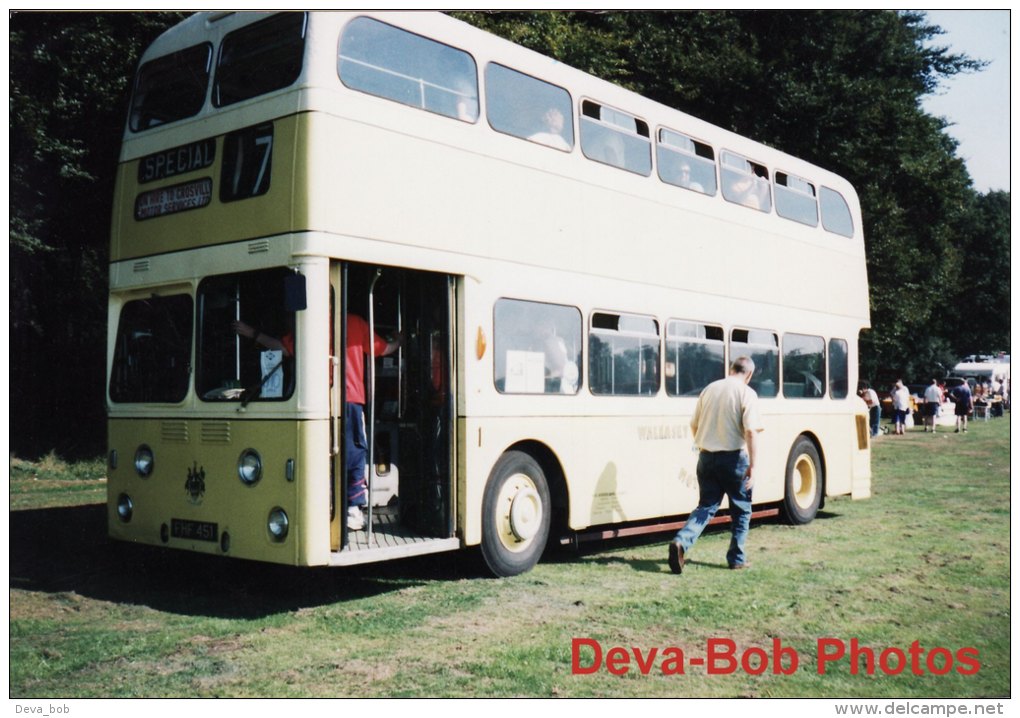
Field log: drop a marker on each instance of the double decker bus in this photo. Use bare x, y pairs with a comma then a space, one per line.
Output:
563, 263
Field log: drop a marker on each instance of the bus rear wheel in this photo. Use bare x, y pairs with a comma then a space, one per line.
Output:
515, 515
804, 478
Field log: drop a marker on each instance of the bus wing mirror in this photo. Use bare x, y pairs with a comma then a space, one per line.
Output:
294, 296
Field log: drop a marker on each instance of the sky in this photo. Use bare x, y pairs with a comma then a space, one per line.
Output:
978, 104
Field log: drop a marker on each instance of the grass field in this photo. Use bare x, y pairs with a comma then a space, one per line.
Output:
925, 561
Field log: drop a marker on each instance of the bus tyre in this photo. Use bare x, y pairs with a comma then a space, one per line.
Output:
515, 515
803, 483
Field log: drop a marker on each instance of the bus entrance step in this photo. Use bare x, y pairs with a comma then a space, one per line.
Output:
389, 540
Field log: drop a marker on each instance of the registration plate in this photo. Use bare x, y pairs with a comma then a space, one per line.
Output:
194, 530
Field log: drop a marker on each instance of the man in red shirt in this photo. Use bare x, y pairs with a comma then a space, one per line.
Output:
358, 338
354, 384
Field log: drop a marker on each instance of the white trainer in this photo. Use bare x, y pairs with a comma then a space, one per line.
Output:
355, 519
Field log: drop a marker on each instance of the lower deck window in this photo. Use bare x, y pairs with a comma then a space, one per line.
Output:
231, 365
762, 346
839, 369
152, 355
695, 357
803, 366
623, 355
537, 348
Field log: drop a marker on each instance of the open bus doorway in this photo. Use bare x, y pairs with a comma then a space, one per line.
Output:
408, 410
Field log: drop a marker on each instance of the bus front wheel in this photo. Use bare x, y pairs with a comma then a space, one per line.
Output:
515, 515
804, 477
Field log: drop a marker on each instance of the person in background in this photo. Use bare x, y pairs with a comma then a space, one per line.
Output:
901, 407
870, 397
964, 402
932, 404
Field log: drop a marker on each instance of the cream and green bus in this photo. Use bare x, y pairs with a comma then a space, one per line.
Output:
565, 263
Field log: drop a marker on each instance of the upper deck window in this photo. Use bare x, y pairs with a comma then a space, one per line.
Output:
685, 162
262, 57
795, 199
388, 62
171, 87
522, 106
615, 138
835, 213
745, 182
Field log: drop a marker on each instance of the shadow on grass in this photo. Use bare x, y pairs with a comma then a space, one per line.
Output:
67, 550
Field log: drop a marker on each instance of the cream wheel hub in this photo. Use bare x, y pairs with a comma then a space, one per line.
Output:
525, 513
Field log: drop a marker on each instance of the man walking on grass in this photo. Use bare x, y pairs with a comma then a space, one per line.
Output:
725, 425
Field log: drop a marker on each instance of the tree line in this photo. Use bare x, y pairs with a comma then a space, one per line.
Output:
840, 89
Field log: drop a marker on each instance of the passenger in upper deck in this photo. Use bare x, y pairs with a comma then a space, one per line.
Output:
752, 189
685, 178
467, 103
552, 132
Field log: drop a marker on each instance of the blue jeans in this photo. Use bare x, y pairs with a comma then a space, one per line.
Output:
357, 454
721, 474
876, 419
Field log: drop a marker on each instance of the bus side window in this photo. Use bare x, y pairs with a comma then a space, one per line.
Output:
615, 138
835, 213
522, 106
695, 357
795, 199
762, 345
839, 369
388, 62
623, 355
803, 366
537, 348
685, 162
745, 182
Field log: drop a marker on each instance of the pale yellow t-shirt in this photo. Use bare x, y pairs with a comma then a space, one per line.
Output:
726, 409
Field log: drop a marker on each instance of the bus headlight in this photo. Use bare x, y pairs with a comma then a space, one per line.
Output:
279, 524
125, 507
144, 461
249, 466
